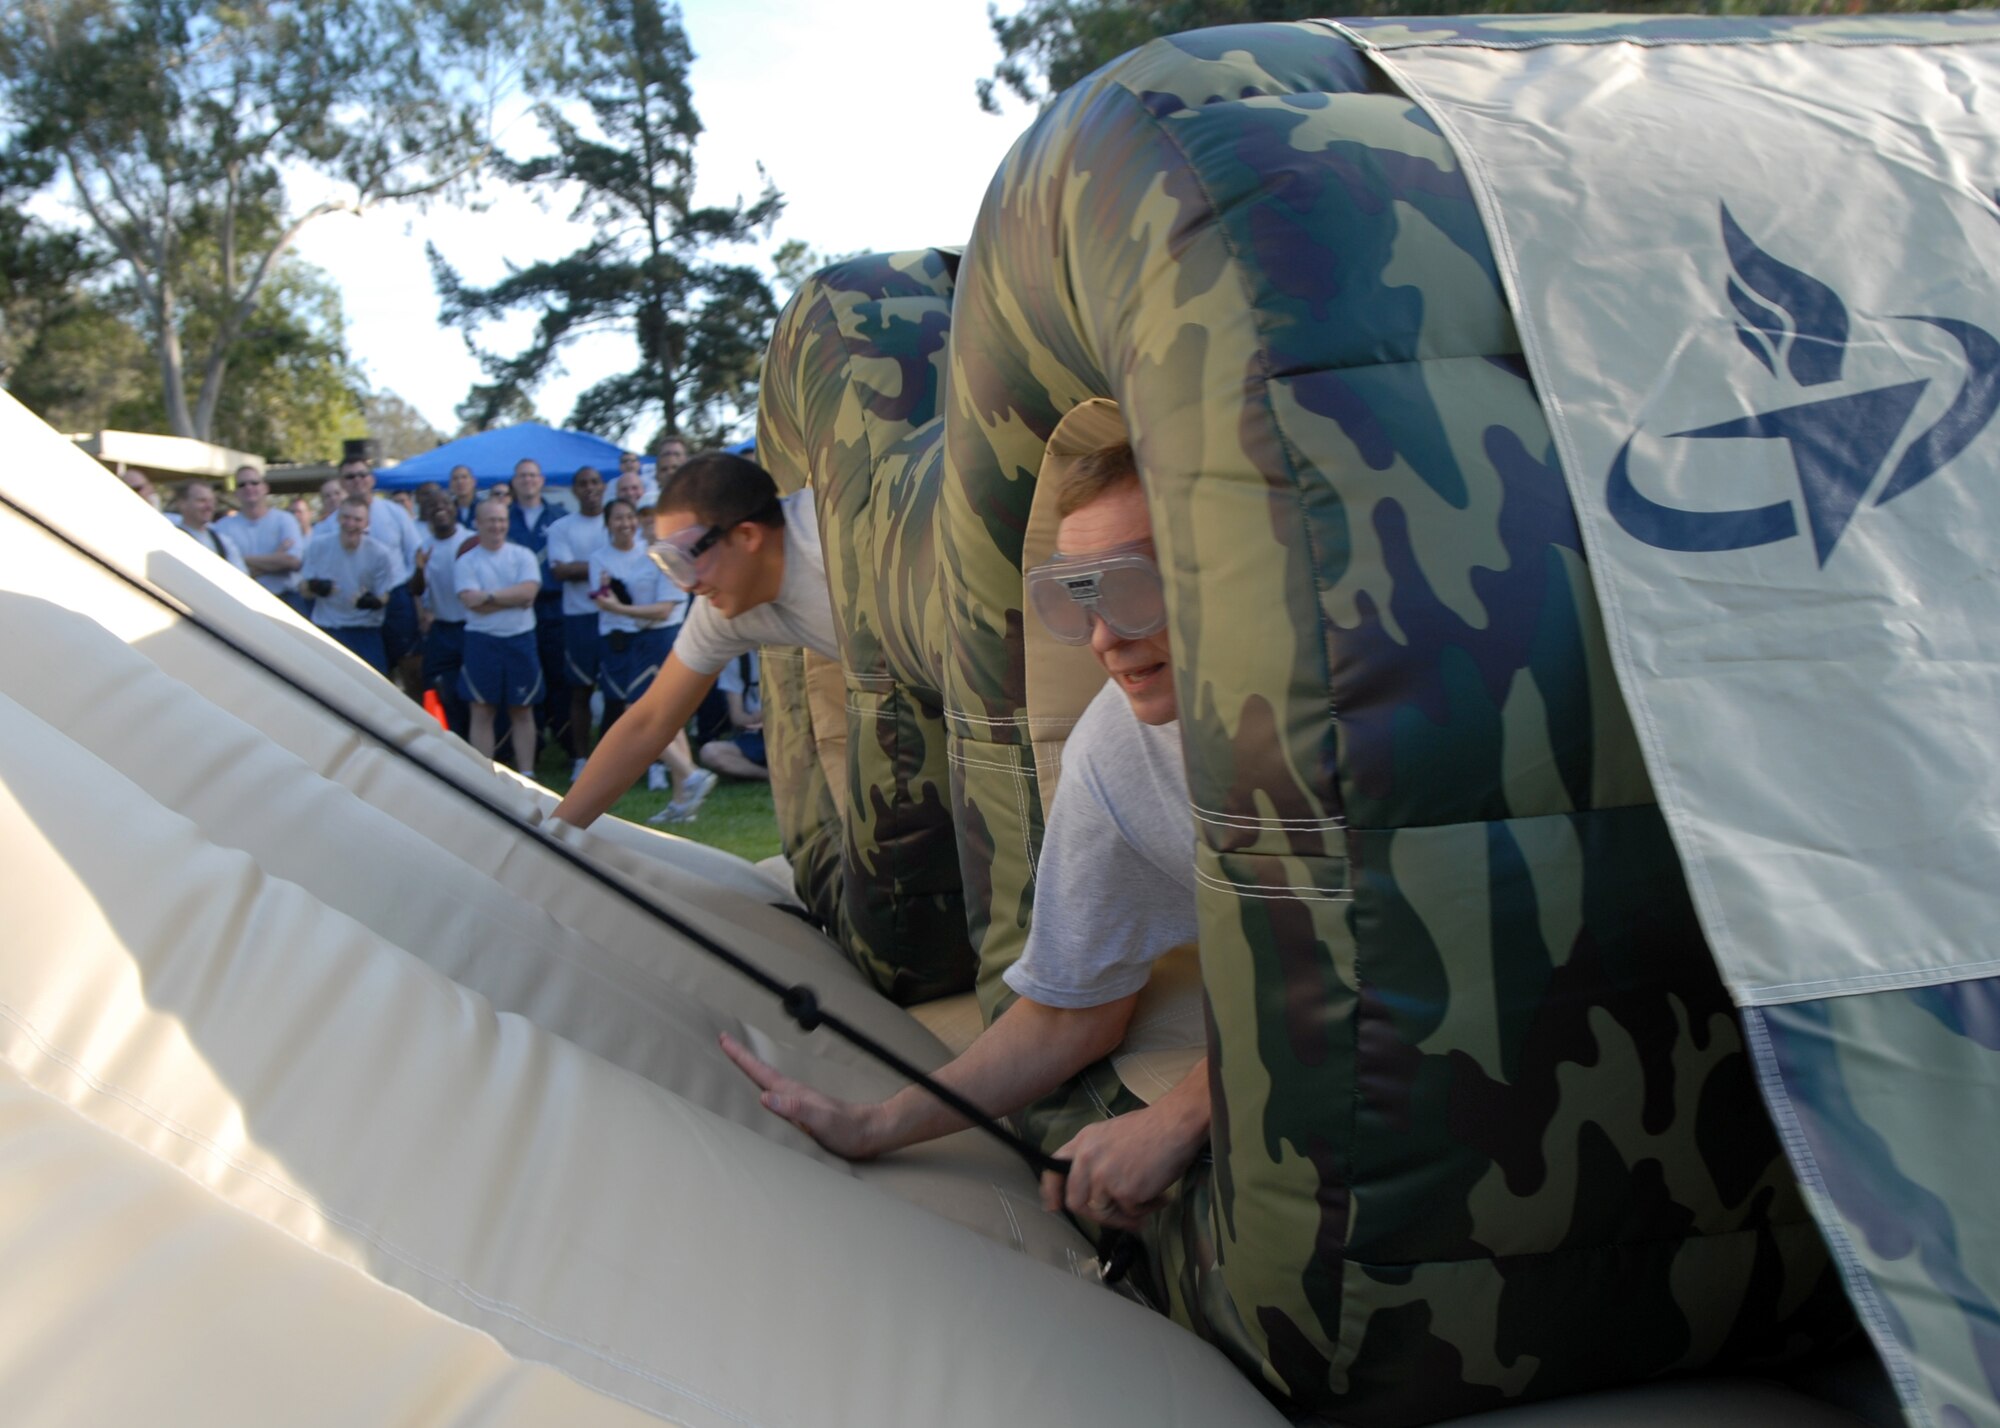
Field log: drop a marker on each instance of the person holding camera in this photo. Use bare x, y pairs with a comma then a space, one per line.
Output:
349, 579
639, 612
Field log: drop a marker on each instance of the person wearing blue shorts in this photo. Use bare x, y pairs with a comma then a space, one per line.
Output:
497, 583
349, 577
740, 752
572, 542
529, 522
640, 612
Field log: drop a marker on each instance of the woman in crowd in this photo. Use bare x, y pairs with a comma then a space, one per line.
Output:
639, 612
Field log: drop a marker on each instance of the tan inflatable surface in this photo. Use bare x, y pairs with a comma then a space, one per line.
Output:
341, 1042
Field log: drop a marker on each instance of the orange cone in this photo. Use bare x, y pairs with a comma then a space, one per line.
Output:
434, 707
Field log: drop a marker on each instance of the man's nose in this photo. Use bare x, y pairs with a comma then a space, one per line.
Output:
1103, 639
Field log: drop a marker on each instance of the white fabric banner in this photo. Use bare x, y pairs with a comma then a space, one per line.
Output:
1755, 284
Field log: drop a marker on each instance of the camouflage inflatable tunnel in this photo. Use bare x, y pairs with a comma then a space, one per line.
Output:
1486, 1125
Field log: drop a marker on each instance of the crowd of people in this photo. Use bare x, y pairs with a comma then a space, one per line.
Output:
531, 623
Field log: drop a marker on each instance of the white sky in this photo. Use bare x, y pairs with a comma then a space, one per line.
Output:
863, 114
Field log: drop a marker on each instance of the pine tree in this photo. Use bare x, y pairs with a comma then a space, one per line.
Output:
623, 127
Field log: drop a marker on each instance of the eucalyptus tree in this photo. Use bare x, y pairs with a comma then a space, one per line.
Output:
195, 139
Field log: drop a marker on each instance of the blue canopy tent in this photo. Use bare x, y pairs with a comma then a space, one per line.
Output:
492, 455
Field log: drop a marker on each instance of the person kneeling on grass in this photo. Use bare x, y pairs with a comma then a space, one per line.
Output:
497, 584
739, 752
1115, 889
752, 561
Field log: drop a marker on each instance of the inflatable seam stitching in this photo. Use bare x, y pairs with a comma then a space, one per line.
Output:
1860, 1285
1013, 1224
1281, 893
1019, 780
1253, 821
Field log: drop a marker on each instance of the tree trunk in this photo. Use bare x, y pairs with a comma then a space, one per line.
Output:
173, 372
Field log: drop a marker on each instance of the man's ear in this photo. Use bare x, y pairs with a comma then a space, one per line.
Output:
752, 535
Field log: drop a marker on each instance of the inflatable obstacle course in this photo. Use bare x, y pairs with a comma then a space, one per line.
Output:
305, 1049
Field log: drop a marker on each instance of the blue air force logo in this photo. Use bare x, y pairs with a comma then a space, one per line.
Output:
1847, 446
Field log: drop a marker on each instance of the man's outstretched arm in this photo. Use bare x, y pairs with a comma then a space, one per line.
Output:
635, 741
1027, 1053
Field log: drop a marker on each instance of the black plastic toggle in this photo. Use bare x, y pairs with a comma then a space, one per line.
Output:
802, 1006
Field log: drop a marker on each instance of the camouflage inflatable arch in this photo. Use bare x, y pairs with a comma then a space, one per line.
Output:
1487, 1124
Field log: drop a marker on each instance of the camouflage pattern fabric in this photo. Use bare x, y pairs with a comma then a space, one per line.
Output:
850, 398
1841, 862
809, 822
1485, 1127
1873, 1093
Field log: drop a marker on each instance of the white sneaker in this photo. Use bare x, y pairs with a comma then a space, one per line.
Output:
576, 771
694, 788
656, 778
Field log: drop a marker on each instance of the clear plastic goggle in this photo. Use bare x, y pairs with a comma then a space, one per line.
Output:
1120, 586
679, 555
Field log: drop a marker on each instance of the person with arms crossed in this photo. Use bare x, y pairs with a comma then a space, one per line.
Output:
752, 562
349, 576
497, 582
272, 544
1115, 889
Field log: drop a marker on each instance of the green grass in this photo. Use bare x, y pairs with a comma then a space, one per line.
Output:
736, 817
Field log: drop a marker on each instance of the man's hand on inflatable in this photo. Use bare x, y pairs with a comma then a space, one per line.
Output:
849, 1130
1120, 1170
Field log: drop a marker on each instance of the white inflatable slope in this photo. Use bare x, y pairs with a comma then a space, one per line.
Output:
309, 1065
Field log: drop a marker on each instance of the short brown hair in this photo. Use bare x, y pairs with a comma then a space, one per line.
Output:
1095, 474
721, 489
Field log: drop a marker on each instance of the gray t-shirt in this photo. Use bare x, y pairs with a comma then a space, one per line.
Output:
275, 532
1115, 886
370, 568
801, 615
390, 526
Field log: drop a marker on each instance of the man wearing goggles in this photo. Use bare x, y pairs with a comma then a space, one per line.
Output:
1115, 889
682, 554
752, 561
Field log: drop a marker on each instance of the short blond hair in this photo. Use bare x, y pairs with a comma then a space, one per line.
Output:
1096, 473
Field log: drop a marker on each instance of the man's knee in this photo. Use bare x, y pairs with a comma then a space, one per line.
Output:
725, 758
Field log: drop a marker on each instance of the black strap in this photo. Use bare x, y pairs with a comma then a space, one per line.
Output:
800, 1002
